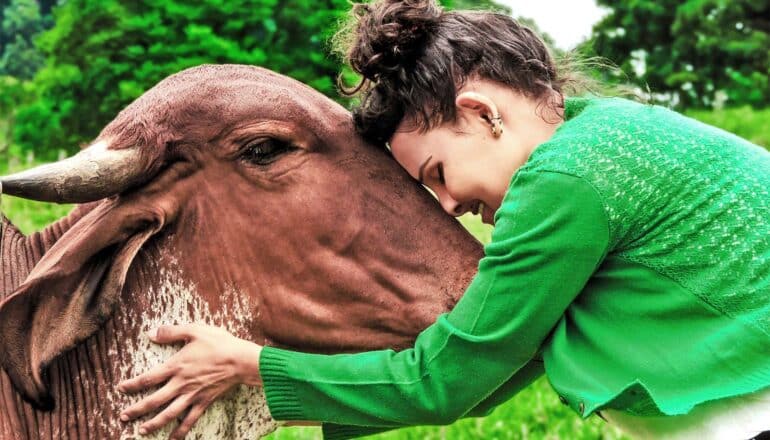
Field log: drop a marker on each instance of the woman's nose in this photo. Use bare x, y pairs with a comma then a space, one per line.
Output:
452, 206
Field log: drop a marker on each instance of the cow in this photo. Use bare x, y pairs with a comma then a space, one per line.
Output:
228, 195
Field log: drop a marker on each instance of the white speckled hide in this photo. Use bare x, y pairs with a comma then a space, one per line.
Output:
242, 414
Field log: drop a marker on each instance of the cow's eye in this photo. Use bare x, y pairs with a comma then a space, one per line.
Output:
265, 151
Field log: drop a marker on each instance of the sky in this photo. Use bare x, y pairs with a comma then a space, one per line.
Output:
567, 21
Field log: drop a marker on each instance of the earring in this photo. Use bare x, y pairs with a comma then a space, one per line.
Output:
497, 126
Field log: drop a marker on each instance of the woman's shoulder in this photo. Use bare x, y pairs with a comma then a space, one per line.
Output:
601, 137
595, 131
609, 106
648, 162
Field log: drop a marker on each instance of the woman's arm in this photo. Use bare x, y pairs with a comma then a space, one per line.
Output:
523, 378
551, 234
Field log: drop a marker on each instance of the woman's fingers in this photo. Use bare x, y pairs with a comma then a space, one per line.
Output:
195, 413
151, 403
167, 334
168, 415
154, 377
210, 364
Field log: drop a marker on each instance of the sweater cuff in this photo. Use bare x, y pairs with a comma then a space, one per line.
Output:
279, 388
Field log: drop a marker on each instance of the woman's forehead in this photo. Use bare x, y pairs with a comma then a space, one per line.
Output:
410, 149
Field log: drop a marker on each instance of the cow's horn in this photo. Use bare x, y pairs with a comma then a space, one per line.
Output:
92, 174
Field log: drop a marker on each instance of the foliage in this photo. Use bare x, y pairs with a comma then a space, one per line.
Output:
491, 5
530, 23
12, 92
21, 23
482, 5
103, 54
697, 51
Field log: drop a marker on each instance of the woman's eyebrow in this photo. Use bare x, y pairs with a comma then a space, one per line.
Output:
422, 169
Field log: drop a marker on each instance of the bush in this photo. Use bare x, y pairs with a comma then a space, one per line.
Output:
100, 55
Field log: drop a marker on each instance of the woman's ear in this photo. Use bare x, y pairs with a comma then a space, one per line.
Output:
477, 105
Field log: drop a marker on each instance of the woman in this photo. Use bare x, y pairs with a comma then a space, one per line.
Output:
630, 259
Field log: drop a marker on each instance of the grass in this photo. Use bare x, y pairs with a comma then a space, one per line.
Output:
534, 413
746, 122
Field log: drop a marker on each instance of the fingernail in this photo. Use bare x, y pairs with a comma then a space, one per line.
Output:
124, 417
142, 431
152, 333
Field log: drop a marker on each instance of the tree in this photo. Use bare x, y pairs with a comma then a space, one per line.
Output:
530, 23
491, 5
3, 6
21, 23
485, 5
694, 50
103, 54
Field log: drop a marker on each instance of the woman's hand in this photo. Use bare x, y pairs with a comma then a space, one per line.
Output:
211, 362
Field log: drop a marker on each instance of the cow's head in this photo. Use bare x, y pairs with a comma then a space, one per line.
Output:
251, 178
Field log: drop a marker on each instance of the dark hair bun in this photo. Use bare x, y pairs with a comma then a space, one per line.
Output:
390, 35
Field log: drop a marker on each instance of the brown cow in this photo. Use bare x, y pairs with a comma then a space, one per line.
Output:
228, 195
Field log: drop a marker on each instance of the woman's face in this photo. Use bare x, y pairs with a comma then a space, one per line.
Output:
460, 166
463, 163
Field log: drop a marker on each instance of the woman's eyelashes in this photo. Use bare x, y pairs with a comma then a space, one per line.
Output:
440, 170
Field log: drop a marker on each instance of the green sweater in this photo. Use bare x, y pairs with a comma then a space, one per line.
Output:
630, 262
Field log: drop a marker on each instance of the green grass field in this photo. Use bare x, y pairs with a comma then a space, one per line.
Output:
533, 414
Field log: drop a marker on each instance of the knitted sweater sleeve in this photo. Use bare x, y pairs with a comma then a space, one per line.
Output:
525, 376
551, 234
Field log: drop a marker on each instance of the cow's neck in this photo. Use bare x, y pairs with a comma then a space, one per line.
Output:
158, 292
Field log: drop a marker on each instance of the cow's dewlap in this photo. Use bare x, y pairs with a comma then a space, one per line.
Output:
242, 414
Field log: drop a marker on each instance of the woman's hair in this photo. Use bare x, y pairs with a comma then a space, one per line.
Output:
413, 57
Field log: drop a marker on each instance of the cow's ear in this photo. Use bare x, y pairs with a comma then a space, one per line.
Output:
70, 293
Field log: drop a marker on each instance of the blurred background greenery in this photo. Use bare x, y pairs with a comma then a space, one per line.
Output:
67, 67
